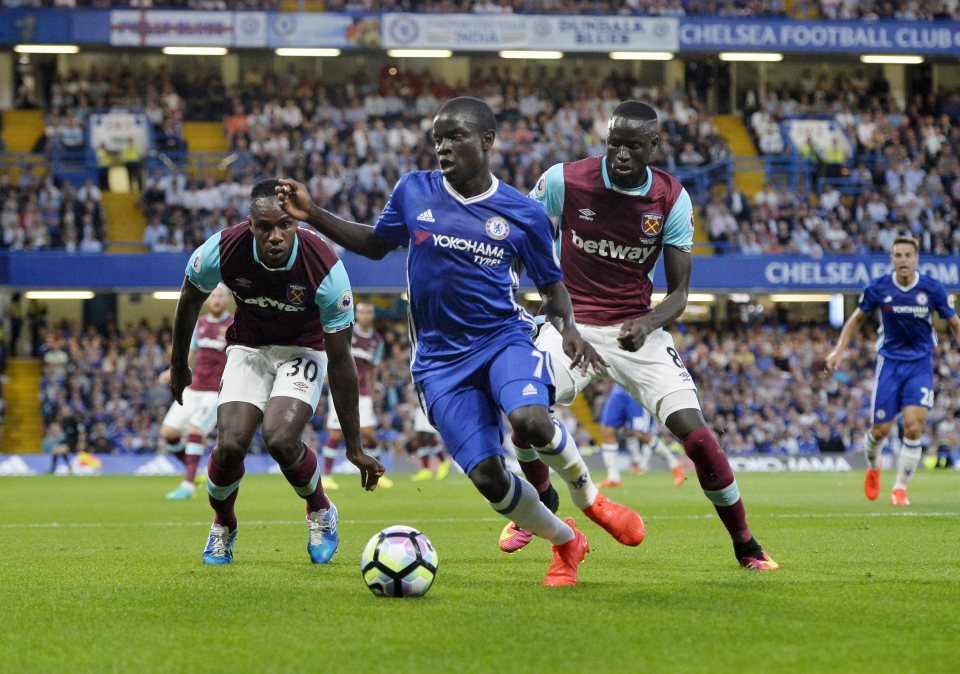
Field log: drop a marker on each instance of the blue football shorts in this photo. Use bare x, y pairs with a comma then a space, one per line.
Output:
465, 401
899, 384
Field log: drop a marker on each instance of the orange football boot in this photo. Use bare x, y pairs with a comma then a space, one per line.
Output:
618, 520
899, 497
678, 475
871, 483
566, 559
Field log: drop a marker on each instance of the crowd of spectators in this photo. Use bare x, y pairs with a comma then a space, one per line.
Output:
673, 8
351, 143
908, 10
71, 98
36, 213
901, 177
763, 387
765, 390
905, 10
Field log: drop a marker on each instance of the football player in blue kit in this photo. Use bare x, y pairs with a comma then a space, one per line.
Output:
903, 382
643, 439
468, 235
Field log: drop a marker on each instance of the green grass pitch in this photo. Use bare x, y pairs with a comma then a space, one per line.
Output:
102, 574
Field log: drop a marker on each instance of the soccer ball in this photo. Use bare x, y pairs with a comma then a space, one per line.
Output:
399, 562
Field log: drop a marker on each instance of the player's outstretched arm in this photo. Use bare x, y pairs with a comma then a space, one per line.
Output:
676, 266
850, 328
354, 236
184, 321
559, 311
344, 387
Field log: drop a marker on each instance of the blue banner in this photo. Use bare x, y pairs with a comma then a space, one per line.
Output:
155, 271
859, 37
598, 34
36, 26
49, 269
799, 273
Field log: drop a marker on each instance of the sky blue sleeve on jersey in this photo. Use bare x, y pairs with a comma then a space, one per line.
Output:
390, 225
203, 270
335, 299
537, 251
868, 300
678, 229
194, 342
549, 190
943, 303
378, 354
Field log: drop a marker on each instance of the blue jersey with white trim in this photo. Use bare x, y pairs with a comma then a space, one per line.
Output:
906, 322
464, 260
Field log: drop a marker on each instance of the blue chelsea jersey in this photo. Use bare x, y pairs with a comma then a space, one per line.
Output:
906, 323
464, 261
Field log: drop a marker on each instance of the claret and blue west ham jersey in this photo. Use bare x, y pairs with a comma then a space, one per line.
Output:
463, 264
291, 306
906, 324
610, 238
210, 342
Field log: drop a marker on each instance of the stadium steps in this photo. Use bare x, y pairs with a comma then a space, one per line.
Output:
205, 137
22, 129
581, 410
23, 431
748, 173
124, 223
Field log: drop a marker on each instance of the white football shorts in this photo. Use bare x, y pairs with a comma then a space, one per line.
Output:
199, 409
256, 374
648, 374
367, 418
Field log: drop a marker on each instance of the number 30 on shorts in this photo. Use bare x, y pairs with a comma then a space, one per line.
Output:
309, 369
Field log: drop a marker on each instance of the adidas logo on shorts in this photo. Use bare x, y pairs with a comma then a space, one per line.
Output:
529, 390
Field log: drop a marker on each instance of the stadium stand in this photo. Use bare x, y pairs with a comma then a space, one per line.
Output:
764, 387
622, 7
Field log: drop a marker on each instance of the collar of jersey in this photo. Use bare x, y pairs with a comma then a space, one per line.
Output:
224, 316
472, 200
289, 265
636, 191
916, 280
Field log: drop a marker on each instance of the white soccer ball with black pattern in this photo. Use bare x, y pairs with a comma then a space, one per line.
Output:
399, 562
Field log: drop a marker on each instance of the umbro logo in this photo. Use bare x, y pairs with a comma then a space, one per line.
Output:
529, 390
586, 214
244, 283
426, 216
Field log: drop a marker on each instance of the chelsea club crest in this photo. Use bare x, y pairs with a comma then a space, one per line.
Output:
497, 228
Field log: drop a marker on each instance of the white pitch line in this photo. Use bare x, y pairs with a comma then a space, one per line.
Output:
457, 520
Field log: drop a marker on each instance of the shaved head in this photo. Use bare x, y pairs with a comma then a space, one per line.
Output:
473, 110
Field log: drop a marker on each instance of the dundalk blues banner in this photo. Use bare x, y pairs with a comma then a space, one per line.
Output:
491, 32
